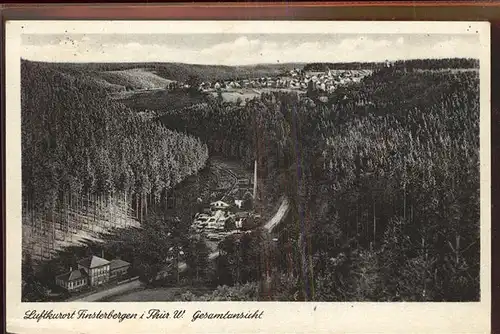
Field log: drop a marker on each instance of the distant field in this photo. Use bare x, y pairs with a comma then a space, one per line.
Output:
179, 71
234, 95
152, 75
137, 78
158, 100
246, 93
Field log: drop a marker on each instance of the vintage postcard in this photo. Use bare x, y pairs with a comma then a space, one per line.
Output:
245, 177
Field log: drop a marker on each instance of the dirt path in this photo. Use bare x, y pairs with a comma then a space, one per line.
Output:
120, 289
220, 164
278, 216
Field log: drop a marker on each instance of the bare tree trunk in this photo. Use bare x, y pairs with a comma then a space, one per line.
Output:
140, 207
177, 266
137, 206
66, 214
374, 225
366, 230
424, 284
110, 209
53, 230
404, 201
102, 202
70, 218
357, 220
76, 210
87, 205
125, 209
311, 273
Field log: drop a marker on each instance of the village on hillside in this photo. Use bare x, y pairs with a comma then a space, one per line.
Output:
233, 213
315, 164
295, 79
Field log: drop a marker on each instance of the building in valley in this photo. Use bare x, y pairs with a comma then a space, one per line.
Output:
92, 271
238, 203
118, 268
240, 218
219, 205
73, 280
96, 268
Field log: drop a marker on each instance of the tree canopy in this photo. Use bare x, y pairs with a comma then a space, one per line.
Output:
76, 140
382, 178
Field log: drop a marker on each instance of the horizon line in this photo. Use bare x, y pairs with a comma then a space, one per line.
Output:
243, 65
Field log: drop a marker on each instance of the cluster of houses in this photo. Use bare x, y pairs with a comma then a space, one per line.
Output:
223, 218
176, 85
295, 79
328, 81
93, 271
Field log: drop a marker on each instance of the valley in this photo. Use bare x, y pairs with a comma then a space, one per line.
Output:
267, 182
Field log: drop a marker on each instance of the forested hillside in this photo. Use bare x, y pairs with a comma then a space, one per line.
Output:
382, 178
421, 64
81, 149
178, 71
384, 181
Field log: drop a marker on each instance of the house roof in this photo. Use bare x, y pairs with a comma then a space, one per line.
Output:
219, 203
72, 275
117, 263
93, 262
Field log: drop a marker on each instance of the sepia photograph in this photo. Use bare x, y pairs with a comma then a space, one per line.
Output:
250, 167
206, 164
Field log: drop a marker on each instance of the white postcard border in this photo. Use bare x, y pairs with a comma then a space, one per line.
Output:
279, 317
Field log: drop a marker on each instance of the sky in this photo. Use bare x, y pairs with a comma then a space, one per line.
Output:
245, 49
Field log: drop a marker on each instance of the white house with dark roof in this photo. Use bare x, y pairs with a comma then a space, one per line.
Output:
73, 280
96, 268
92, 271
219, 205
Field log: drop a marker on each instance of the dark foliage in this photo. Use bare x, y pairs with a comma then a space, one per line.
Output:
423, 64
181, 72
384, 181
76, 140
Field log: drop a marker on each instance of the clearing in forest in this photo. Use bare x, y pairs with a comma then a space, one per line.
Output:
137, 78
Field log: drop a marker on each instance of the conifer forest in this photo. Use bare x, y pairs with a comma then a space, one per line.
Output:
375, 181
